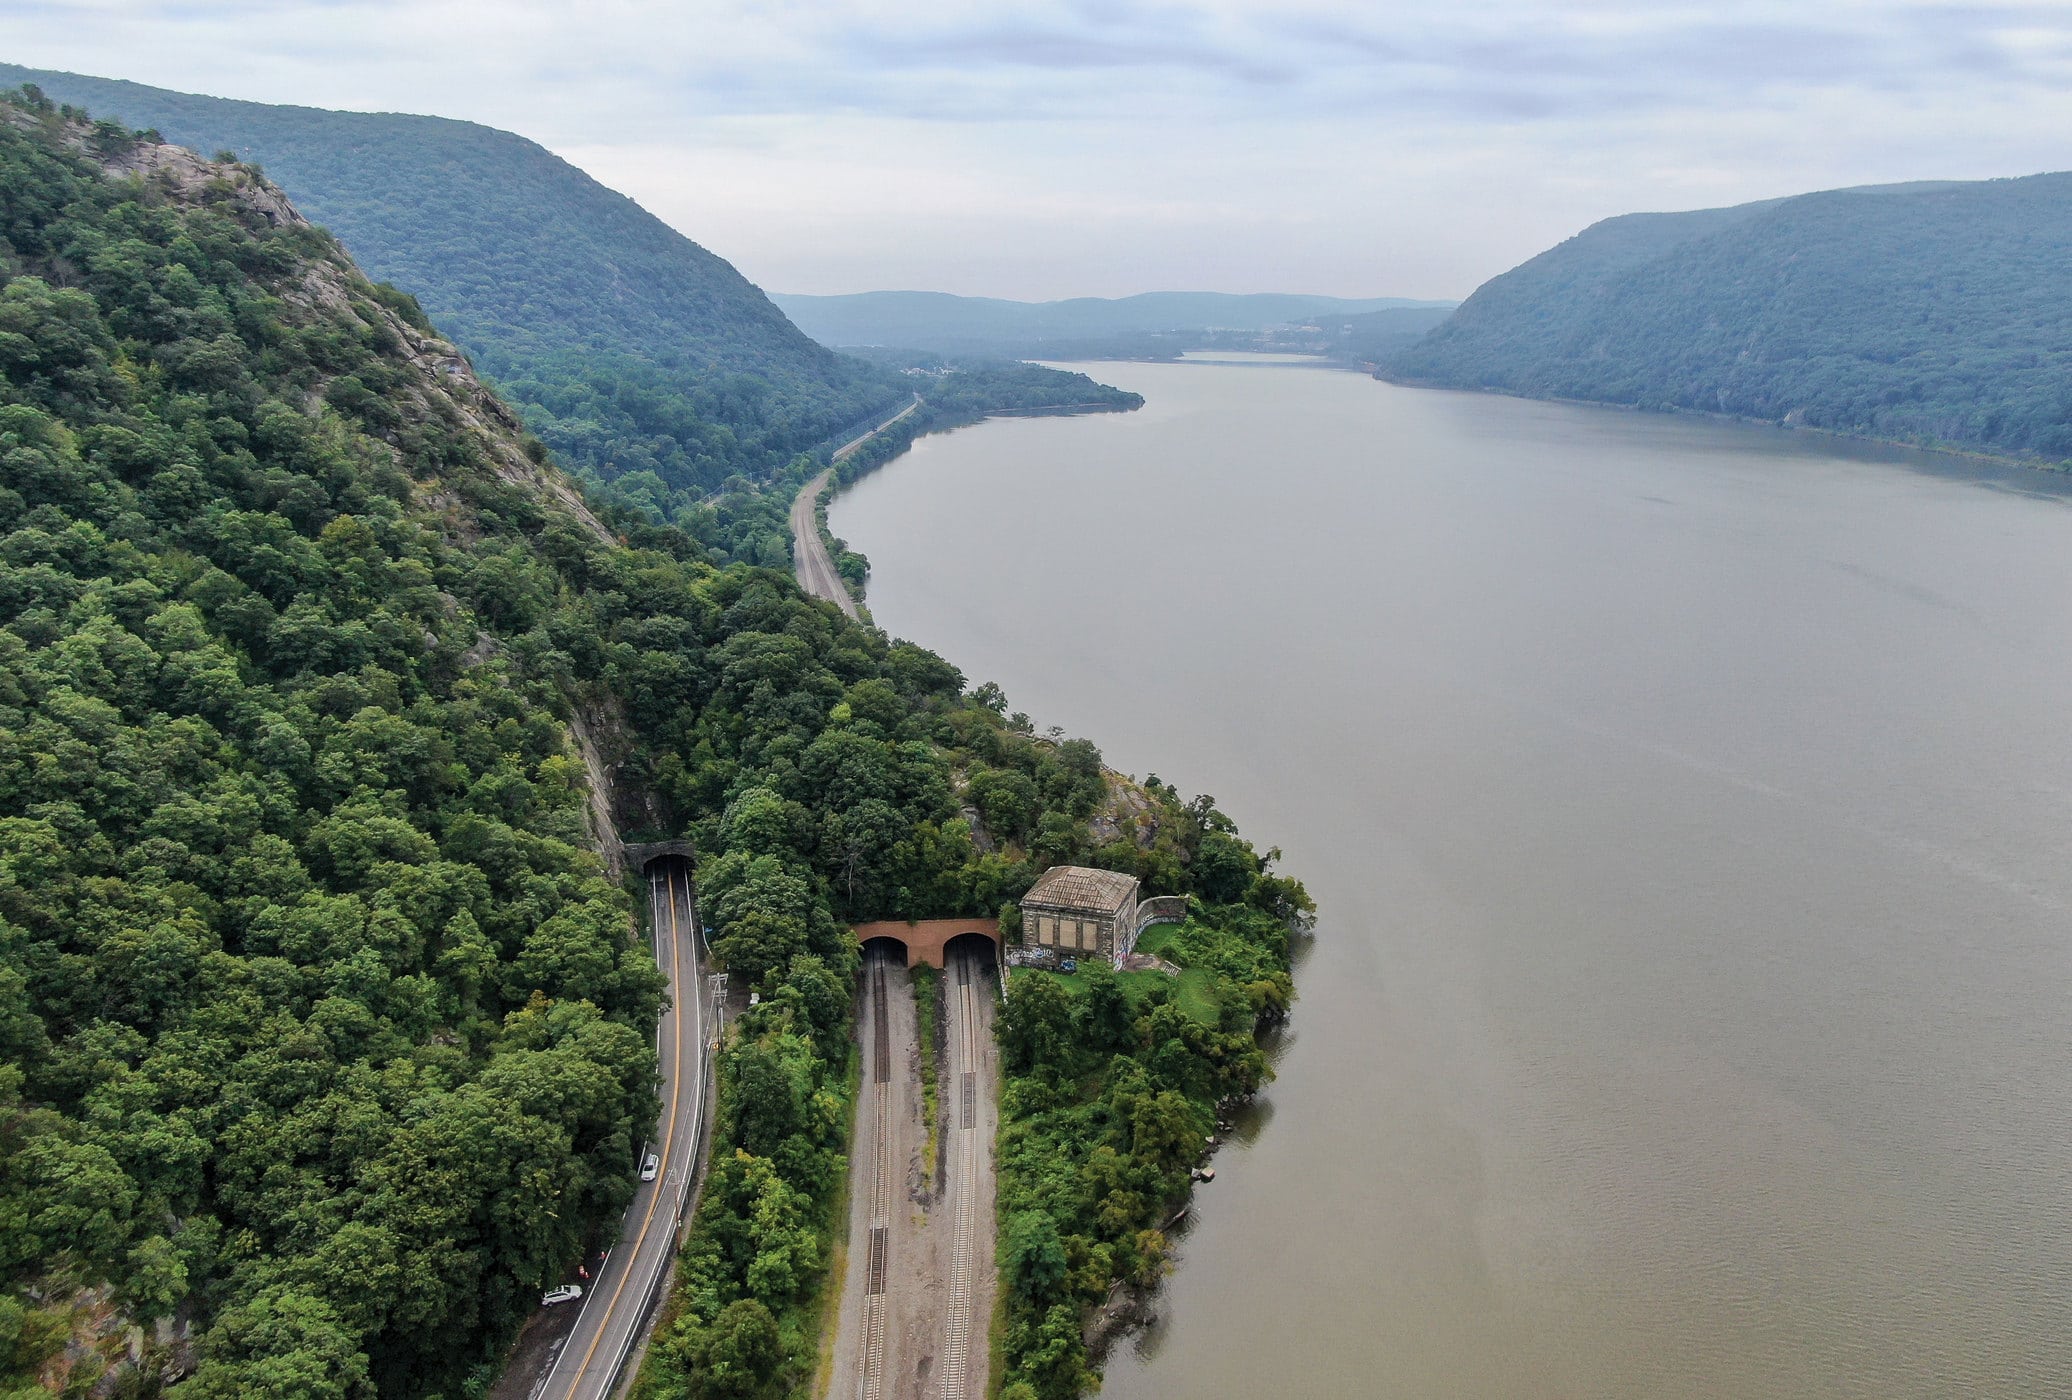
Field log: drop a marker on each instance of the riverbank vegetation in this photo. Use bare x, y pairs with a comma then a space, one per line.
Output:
961, 392
854, 778
853, 569
1113, 1086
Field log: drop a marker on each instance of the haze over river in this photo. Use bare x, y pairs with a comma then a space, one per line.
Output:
1688, 806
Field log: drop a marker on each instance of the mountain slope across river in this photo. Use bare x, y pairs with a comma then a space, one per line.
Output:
1937, 313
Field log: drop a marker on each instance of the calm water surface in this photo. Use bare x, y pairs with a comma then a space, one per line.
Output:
1691, 1010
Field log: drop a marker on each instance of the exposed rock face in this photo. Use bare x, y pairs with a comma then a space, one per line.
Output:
589, 728
189, 178
1129, 813
446, 386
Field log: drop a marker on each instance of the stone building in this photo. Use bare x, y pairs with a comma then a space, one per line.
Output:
1081, 912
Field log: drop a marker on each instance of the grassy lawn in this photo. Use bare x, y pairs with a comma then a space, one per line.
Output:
1190, 988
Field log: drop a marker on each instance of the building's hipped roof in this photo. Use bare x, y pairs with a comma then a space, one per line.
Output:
1080, 887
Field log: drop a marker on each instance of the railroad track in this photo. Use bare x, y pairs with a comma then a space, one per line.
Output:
967, 1141
870, 1371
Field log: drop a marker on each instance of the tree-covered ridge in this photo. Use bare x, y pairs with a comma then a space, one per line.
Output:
1938, 313
652, 368
322, 1028
628, 347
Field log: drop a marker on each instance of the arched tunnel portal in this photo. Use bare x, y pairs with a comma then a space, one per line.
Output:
926, 939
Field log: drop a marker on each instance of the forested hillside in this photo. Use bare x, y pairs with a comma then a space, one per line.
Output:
323, 1028
629, 348
1933, 313
326, 1039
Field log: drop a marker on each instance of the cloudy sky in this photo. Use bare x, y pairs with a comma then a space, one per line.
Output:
1061, 149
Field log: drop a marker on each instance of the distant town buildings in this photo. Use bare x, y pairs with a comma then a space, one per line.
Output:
1082, 912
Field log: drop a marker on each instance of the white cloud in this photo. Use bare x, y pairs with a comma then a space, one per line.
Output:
1054, 149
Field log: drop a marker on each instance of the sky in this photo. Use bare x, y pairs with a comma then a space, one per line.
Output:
1048, 150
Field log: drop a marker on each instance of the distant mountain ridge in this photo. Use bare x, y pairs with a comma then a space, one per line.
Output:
943, 322
630, 348
1937, 312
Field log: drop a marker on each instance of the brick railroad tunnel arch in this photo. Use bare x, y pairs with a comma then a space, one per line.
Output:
885, 942
925, 939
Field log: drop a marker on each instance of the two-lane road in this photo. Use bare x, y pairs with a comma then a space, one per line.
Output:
809, 558
816, 572
615, 1309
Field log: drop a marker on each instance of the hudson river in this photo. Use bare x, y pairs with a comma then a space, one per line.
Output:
1690, 811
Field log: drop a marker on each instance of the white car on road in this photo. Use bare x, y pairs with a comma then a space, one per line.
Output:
567, 1293
649, 1167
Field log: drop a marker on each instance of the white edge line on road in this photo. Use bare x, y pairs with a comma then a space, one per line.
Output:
663, 1257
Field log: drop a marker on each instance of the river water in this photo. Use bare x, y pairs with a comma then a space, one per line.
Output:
1690, 1013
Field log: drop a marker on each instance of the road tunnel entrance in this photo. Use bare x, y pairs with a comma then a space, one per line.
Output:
648, 856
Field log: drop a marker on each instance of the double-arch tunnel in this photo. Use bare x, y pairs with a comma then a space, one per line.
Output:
929, 940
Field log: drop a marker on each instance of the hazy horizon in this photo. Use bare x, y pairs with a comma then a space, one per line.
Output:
1043, 152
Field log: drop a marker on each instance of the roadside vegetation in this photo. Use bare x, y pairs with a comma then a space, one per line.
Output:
854, 569
841, 803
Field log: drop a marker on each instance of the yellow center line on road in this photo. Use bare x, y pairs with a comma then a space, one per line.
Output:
668, 1138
